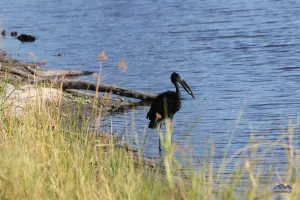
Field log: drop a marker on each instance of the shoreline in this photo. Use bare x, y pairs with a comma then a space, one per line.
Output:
20, 91
20, 71
8, 64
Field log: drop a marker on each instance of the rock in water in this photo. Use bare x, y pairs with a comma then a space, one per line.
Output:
3, 33
26, 38
14, 33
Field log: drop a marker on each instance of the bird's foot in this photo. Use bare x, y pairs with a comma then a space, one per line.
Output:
160, 150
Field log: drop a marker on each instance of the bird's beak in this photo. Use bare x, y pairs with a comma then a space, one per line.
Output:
186, 87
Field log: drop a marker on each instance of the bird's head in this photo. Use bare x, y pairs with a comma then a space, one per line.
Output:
175, 78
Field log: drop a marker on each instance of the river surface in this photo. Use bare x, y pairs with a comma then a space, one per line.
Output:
240, 57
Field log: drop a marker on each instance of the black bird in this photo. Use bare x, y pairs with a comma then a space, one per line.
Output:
166, 104
169, 100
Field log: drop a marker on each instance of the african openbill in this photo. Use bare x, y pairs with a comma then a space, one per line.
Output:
166, 104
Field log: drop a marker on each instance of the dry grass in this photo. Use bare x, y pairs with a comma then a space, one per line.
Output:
45, 157
41, 160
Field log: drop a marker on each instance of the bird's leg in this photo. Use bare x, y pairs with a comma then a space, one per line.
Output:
159, 148
171, 128
159, 142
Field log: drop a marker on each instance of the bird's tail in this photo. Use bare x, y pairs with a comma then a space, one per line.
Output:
152, 124
155, 123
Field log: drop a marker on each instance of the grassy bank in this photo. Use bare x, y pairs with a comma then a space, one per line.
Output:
41, 159
47, 155
43, 156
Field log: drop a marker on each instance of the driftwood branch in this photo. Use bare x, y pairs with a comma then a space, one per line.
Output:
58, 72
88, 85
19, 72
80, 84
80, 92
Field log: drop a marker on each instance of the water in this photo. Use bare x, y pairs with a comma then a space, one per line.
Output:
237, 56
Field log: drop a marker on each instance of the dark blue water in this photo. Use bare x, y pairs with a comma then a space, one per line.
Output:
237, 56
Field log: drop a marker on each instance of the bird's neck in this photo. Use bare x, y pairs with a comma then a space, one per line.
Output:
177, 91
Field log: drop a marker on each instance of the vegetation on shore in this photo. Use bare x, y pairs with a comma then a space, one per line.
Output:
44, 155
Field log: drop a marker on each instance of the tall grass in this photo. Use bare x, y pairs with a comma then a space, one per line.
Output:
40, 159
46, 156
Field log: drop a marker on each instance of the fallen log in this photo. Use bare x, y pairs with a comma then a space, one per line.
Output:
58, 72
18, 72
128, 106
88, 85
81, 85
116, 107
80, 92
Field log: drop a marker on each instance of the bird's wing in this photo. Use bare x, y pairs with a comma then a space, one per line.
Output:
155, 107
150, 112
